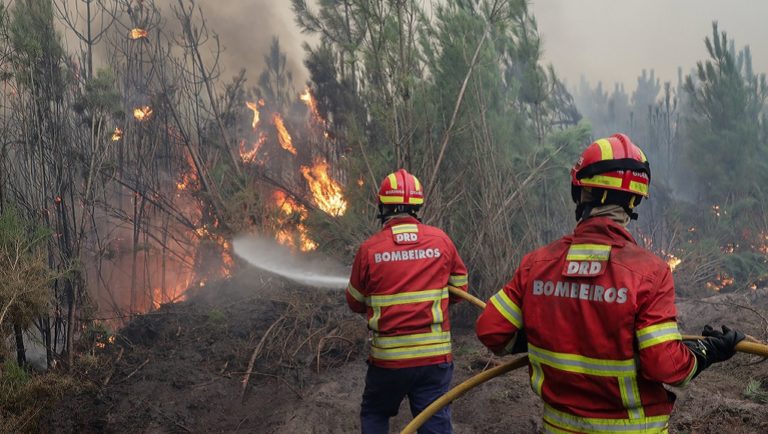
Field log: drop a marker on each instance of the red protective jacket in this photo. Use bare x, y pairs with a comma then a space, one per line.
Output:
599, 314
400, 279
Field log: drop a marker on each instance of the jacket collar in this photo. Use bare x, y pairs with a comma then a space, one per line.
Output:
602, 229
406, 219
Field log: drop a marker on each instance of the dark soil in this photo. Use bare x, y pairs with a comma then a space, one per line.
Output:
180, 369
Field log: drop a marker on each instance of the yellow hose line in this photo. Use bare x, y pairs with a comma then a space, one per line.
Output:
466, 296
460, 390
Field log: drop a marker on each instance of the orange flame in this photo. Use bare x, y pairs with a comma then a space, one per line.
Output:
326, 192
138, 34
117, 135
255, 108
248, 156
311, 102
288, 208
142, 113
188, 178
282, 134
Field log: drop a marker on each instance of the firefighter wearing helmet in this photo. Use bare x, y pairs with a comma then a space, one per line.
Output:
596, 312
399, 281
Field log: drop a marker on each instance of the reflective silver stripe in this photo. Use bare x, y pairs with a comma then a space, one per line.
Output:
630, 396
537, 377
508, 309
410, 352
655, 424
657, 334
457, 280
357, 295
373, 321
582, 365
408, 297
586, 252
411, 340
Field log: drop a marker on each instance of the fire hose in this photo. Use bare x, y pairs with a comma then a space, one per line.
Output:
460, 390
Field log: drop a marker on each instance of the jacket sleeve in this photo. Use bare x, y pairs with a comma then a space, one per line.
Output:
356, 289
459, 277
663, 356
498, 324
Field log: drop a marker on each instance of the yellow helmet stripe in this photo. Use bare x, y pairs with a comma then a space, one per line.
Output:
606, 149
418, 184
392, 180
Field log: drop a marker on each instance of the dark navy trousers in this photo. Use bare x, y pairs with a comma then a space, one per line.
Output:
386, 388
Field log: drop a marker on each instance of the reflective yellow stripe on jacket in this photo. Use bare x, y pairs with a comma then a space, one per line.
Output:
657, 334
624, 371
508, 309
458, 280
410, 346
557, 421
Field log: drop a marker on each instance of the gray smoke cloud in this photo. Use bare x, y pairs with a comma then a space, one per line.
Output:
611, 41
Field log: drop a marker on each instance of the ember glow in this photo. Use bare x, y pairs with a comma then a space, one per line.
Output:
673, 261
288, 209
722, 281
326, 192
138, 34
143, 113
282, 134
117, 134
256, 116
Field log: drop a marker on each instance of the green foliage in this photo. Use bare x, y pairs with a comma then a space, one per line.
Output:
24, 274
724, 131
757, 391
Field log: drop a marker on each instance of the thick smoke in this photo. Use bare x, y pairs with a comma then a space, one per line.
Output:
613, 41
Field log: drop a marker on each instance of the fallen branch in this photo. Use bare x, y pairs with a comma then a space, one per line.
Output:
135, 371
255, 354
320, 346
114, 367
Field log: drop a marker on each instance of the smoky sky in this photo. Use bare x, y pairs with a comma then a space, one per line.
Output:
246, 28
613, 41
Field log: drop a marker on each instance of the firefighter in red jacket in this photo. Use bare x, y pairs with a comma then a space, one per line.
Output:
400, 280
596, 312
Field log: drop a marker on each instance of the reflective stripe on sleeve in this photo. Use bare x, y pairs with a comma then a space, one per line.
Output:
690, 374
458, 280
404, 353
373, 321
408, 297
588, 252
508, 309
357, 295
385, 342
582, 365
564, 421
657, 334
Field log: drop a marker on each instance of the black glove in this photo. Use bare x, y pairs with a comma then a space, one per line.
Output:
716, 346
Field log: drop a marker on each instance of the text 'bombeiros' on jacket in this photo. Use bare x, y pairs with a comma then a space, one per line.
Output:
400, 279
599, 314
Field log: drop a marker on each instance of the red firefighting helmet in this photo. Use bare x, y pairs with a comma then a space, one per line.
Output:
401, 188
614, 163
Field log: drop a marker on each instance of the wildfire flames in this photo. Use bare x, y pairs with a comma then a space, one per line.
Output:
142, 113
288, 209
138, 34
117, 134
326, 192
248, 156
256, 116
723, 280
282, 134
311, 102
